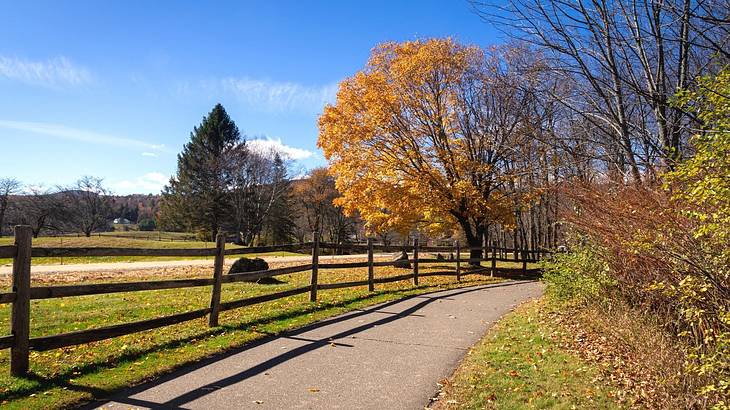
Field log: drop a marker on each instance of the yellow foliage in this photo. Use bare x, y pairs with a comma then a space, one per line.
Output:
424, 135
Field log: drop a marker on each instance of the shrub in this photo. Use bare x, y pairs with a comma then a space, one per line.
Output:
577, 276
664, 263
147, 224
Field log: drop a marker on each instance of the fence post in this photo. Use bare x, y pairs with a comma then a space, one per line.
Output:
524, 262
215, 297
494, 261
371, 283
415, 261
458, 261
315, 268
20, 314
483, 248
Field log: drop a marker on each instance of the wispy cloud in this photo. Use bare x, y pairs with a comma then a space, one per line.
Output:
149, 154
75, 134
55, 72
271, 144
273, 95
151, 182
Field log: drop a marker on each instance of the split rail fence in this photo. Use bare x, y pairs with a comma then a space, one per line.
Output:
22, 252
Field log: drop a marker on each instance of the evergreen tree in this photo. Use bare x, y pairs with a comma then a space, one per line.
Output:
197, 196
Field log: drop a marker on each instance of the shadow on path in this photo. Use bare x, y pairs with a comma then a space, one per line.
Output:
313, 344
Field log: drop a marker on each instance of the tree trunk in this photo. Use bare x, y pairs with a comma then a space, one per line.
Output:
474, 237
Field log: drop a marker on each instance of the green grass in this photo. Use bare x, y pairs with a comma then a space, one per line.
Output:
152, 235
113, 242
67, 376
519, 364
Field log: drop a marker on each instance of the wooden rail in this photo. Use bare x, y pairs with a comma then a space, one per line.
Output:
7, 251
51, 252
22, 252
93, 335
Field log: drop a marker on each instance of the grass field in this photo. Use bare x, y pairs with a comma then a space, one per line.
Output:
114, 242
65, 376
152, 235
520, 364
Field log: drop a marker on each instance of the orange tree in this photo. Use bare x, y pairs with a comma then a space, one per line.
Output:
427, 135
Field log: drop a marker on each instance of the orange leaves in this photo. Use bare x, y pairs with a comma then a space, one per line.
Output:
420, 136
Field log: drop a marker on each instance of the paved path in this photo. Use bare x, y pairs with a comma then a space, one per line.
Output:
127, 266
388, 356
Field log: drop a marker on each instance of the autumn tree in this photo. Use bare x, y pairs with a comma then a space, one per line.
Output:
423, 135
315, 196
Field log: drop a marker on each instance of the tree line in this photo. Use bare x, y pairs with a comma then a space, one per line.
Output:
298, 208
83, 207
222, 184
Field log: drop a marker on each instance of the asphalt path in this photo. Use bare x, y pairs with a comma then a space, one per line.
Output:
389, 356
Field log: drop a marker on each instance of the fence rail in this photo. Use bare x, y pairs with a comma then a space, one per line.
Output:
22, 252
7, 251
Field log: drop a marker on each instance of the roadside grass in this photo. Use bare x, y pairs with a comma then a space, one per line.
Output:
115, 242
520, 364
67, 376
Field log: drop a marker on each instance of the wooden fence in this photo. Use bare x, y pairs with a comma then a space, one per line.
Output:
22, 252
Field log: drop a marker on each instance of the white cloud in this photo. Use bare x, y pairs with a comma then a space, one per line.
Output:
151, 182
68, 133
271, 144
56, 72
273, 95
149, 154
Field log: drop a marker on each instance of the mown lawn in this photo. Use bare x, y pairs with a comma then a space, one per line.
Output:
519, 364
114, 242
62, 377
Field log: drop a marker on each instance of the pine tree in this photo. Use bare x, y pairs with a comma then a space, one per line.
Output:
197, 197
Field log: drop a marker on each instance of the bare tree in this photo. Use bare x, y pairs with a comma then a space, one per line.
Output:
8, 187
88, 204
624, 60
257, 186
40, 208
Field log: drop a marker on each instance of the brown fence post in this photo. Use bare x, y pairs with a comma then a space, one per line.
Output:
371, 275
494, 261
458, 261
315, 268
215, 297
524, 262
20, 314
415, 261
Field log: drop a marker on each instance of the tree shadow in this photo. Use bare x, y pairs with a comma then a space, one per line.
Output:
64, 379
312, 344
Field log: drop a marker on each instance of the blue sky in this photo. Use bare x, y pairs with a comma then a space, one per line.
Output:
113, 89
